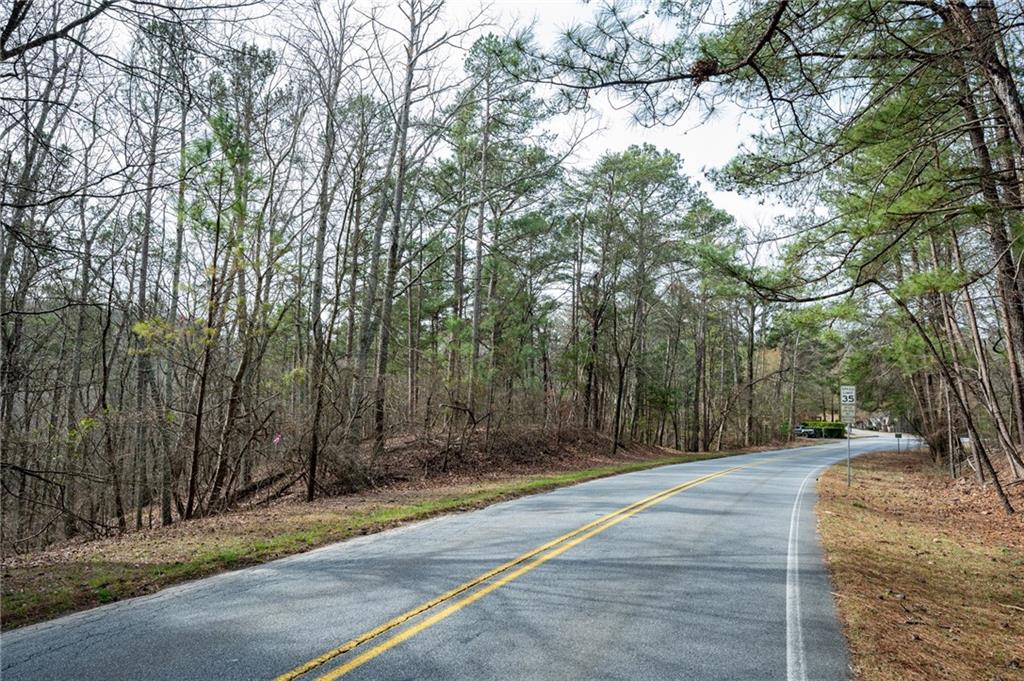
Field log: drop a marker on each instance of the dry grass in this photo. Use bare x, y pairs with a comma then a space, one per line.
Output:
929, 572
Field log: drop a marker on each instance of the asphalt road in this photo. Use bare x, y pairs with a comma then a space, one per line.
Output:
720, 577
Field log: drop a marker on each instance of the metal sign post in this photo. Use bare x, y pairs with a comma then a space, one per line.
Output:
849, 471
898, 436
848, 411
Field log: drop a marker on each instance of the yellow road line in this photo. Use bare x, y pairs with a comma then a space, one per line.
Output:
567, 540
461, 588
406, 634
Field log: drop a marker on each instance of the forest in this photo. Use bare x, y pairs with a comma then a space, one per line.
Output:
255, 249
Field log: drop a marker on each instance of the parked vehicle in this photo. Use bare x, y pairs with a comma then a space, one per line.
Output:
805, 431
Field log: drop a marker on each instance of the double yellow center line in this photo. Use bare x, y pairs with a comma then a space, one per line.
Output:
508, 572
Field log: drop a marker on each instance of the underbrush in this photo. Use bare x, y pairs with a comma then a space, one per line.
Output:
408, 485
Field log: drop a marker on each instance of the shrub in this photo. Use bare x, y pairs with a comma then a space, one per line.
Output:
827, 428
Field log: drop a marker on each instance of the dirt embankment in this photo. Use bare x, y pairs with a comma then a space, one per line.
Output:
418, 478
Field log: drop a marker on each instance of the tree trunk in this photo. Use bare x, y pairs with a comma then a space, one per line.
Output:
143, 366
748, 431
324, 201
1009, 307
166, 481
478, 271
387, 298
697, 441
209, 335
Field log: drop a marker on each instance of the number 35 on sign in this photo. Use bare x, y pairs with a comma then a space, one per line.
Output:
848, 403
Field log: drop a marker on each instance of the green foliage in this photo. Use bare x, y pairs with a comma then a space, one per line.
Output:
828, 428
156, 331
929, 282
907, 351
296, 376
84, 426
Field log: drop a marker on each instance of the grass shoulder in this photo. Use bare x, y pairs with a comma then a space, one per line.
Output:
80, 575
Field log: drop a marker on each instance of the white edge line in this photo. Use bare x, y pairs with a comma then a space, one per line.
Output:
796, 664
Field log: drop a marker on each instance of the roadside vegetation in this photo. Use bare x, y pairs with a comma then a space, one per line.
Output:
928, 572
255, 251
284, 269
74, 575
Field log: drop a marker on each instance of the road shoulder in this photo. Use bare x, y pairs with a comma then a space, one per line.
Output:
928, 572
82, 575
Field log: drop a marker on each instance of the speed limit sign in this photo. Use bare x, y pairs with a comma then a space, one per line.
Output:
848, 403
848, 410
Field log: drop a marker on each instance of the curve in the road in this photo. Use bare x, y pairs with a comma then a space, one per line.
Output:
722, 582
550, 550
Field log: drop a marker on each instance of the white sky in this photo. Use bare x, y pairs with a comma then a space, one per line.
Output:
703, 145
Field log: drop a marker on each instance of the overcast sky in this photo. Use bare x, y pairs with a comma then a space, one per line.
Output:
702, 144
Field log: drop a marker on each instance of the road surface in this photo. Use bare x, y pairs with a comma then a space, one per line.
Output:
703, 571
